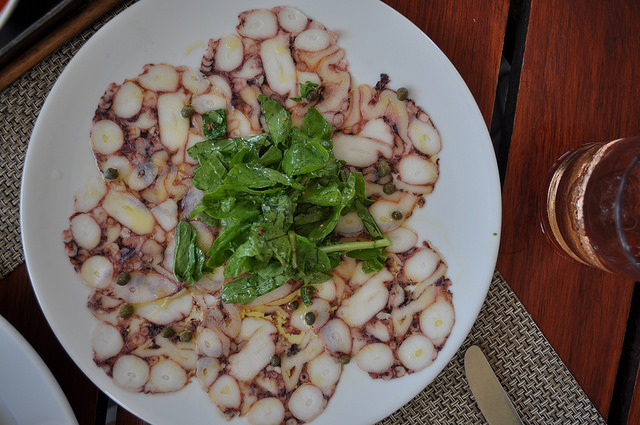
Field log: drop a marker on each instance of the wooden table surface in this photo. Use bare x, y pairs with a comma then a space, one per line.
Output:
573, 69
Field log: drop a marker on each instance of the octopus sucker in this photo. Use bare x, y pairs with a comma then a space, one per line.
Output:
266, 411
106, 341
207, 370
106, 137
131, 372
313, 40
97, 271
86, 231
166, 376
258, 24
390, 214
437, 320
279, 358
336, 336
225, 393
331, 290
424, 135
416, 352
160, 78
229, 53
291, 19
194, 81
324, 372
307, 402
402, 239
89, 196
142, 176
127, 101
213, 343
375, 358
420, 265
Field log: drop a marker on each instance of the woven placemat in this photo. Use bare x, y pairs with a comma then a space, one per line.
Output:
20, 103
540, 385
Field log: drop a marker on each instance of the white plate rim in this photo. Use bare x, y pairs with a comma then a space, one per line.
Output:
472, 279
44, 387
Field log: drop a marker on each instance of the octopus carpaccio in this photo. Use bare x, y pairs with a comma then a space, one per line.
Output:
262, 360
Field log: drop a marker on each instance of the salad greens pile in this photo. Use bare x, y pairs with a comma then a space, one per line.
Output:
276, 198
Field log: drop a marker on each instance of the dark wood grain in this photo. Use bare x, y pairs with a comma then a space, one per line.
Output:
471, 35
634, 410
124, 417
578, 84
55, 39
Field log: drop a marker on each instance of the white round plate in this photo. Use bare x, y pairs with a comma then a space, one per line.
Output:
26, 380
461, 218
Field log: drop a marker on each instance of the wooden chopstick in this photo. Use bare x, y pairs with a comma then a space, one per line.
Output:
54, 39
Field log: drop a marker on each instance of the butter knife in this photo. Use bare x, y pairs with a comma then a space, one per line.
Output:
494, 403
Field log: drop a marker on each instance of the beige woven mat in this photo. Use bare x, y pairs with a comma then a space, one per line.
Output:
539, 384
20, 104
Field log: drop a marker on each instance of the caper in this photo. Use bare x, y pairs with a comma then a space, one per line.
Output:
167, 333
123, 278
389, 188
186, 336
293, 305
344, 359
310, 318
383, 168
111, 173
186, 111
126, 311
275, 360
402, 93
396, 215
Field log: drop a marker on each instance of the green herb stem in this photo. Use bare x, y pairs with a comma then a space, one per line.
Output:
292, 242
303, 181
354, 246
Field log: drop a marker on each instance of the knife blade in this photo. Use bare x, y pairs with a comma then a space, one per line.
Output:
494, 402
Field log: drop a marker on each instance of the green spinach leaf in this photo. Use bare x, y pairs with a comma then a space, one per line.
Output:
215, 124
189, 260
276, 199
307, 91
278, 119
